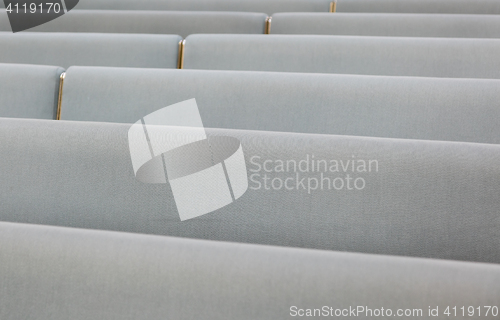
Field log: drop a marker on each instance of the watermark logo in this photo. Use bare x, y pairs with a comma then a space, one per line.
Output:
205, 174
311, 173
26, 14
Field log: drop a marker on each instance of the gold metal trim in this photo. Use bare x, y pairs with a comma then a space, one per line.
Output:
333, 6
267, 29
59, 98
180, 57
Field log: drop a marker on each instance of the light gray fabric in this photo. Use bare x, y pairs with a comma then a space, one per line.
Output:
61, 273
67, 49
420, 6
4, 19
421, 198
266, 6
387, 24
182, 23
428, 57
395, 107
28, 91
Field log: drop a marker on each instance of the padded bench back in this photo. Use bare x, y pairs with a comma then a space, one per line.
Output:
28, 91
388, 24
385, 196
394, 107
182, 23
90, 49
420, 6
266, 6
114, 276
391, 56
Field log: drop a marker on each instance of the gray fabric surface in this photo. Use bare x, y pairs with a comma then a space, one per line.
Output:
428, 57
182, 23
67, 49
426, 199
387, 24
420, 6
61, 273
266, 6
395, 107
4, 19
28, 91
